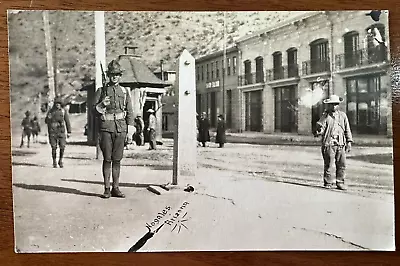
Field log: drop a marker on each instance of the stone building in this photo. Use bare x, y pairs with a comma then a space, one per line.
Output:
285, 71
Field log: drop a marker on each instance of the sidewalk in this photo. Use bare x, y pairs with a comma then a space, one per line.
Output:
60, 210
261, 138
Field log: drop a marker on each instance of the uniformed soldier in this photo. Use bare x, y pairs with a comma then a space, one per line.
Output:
57, 119
336, 139
152, 130
26, 125
114, 108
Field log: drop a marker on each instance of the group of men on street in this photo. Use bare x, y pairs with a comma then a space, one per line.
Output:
117, 126
30, 127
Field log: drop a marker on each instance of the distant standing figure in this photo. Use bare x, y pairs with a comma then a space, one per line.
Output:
35, 129
139, 136
152, 129
204, 127
221, 127
336, 140
26, 125
57, 119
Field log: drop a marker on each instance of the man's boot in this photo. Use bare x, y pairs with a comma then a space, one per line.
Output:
115, 192
54, 155
60, 160
106, 176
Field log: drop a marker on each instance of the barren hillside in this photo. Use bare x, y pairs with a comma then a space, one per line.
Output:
158, 35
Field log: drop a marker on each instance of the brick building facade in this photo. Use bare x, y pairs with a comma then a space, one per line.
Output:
285, 72
212, 81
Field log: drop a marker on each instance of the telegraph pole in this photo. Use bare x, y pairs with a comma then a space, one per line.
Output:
49, 57
100, 44
223, 69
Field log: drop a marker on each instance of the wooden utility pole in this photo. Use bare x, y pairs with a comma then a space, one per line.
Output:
224, 69
49, 57
100, 43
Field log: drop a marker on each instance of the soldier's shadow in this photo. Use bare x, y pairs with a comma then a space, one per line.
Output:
55, 189
136, 185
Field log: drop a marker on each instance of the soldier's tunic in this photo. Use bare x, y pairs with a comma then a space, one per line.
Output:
114, 123
336, 133
56, 121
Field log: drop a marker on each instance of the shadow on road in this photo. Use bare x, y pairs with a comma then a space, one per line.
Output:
137, 185
153, 167
79, 143
55, 189
26, 164
22, 152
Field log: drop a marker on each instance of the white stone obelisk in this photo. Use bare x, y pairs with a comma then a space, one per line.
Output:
185, 148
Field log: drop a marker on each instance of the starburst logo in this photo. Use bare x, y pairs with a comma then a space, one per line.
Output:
178, 220
181, 223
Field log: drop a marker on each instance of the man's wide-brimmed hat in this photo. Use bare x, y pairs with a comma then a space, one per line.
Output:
114, 68
150, 111
58, 100
334, 99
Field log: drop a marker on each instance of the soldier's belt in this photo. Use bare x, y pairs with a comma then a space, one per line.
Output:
115, 116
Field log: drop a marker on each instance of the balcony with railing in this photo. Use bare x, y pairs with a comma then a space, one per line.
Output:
283, 72
251, 78
362, 57
315, 66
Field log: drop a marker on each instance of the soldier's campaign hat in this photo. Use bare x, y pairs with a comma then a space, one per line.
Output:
114, 68
150, 111
334, 99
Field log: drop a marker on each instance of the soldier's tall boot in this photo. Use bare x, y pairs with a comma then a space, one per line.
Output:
106, 176
54, 155
115, 192
60, 160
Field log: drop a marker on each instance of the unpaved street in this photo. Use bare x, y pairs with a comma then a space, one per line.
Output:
246, 197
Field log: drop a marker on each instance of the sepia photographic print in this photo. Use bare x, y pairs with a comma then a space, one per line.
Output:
201, 131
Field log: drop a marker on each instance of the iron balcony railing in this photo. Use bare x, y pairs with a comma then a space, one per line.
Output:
361, 57
283, 72
251, 78
316, 66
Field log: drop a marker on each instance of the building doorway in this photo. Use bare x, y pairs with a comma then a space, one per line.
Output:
253, 110
147, 105
286, 109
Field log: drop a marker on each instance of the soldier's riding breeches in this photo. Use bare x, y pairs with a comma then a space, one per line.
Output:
334, 156
112, 147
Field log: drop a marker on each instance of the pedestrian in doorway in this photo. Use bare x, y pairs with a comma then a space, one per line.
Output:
336, 140
57, 120
221, 128
204, 129
113, 106
152, 130
139, 136
26, 125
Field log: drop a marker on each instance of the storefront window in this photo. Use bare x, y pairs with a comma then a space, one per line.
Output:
364, 103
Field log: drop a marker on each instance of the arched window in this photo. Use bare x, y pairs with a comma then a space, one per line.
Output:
376, 43
292, 62
259, 69
247, 72
319, 56
277, 61
351, 49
